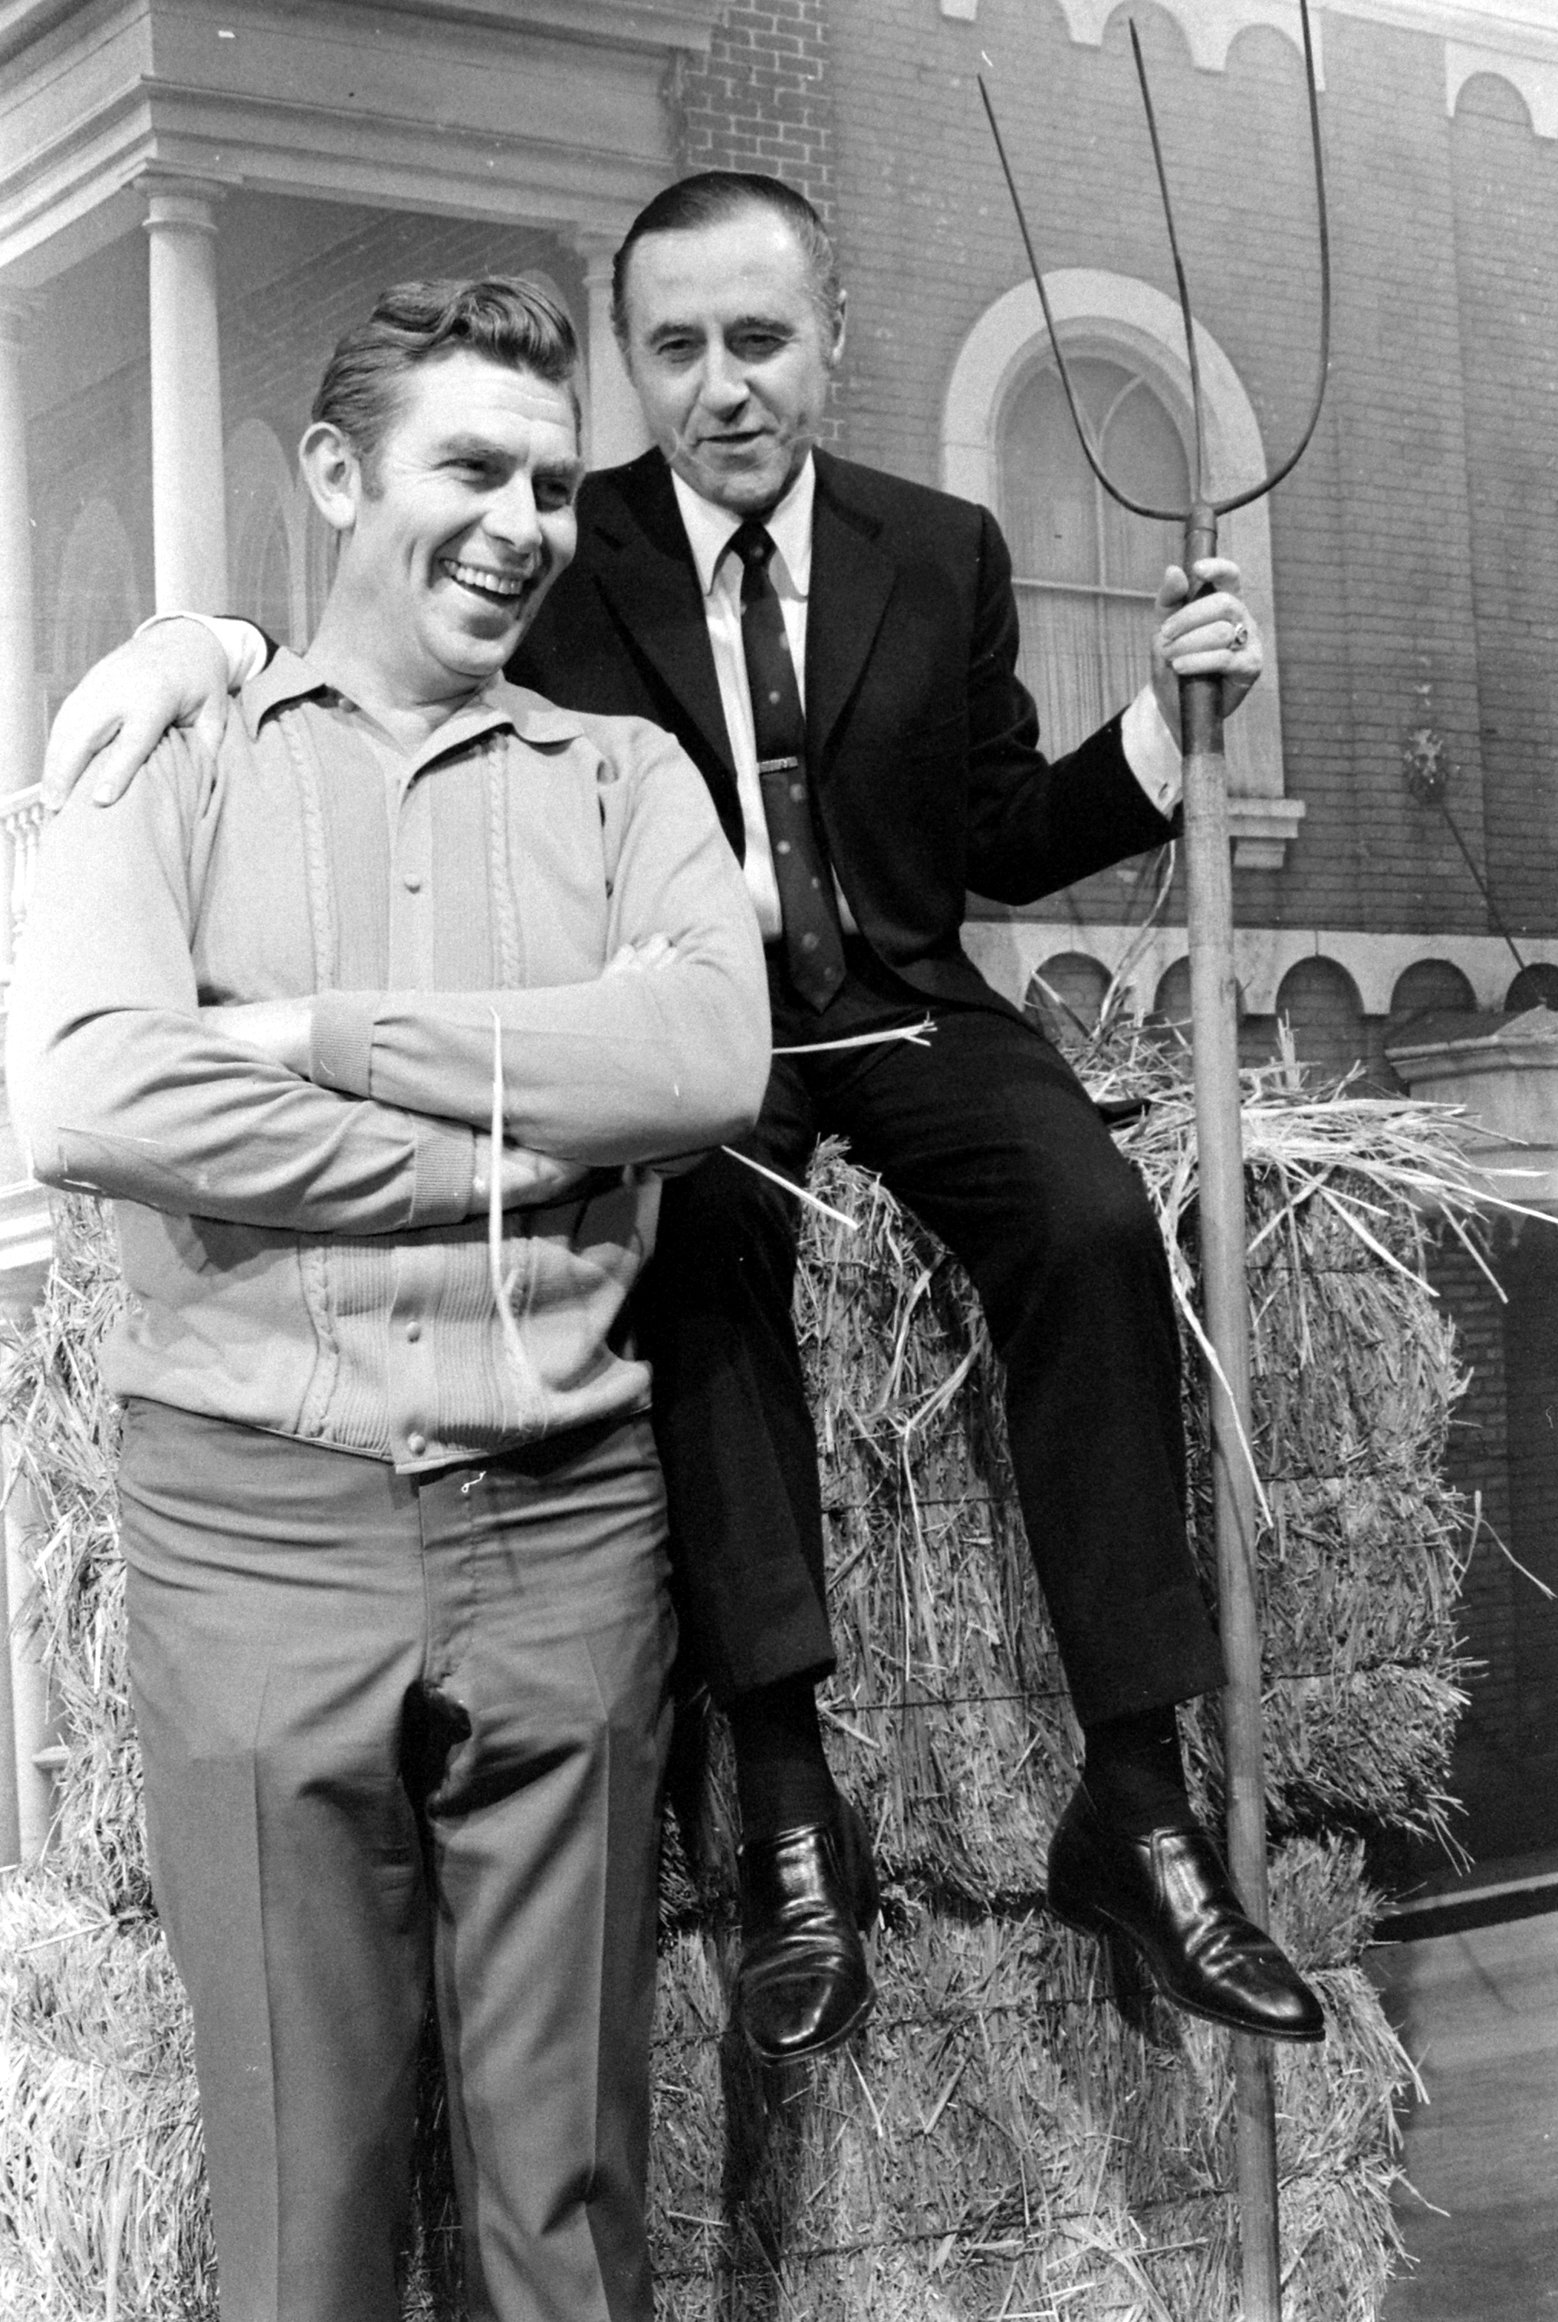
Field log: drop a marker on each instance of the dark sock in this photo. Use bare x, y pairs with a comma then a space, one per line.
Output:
782, 1777
1133, 1770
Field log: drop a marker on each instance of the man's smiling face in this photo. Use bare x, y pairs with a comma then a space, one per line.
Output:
730, 354
460, 521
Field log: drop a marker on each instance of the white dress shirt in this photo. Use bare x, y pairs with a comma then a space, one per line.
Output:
1151, 751
710, 531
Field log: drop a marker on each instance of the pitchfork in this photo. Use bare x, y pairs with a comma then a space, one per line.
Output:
1215, 1057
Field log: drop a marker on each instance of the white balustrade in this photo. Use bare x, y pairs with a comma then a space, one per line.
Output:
21, 825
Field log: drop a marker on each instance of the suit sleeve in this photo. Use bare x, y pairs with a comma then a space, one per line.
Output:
634, 1066
1038, 824
118, 1088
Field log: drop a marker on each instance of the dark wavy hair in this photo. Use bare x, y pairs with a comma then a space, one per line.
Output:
515, 323
709, 199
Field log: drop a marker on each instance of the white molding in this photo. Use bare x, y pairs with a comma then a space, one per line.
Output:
1114, 315
1506, 28
1008, 950
1534, 80
651, 25
1262, 829
1519, 33
551, 114
1210, 27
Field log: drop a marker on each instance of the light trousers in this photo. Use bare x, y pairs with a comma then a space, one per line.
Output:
404, 1738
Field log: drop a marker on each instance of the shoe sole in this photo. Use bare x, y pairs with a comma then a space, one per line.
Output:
1106, 1930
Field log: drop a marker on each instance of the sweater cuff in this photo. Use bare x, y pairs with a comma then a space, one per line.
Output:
341, 1041
444, 1173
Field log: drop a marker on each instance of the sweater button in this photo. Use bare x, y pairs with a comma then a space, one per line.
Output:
413, 1331
416, 1445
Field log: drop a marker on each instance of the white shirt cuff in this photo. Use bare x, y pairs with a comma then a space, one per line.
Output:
241, 641
1151, 751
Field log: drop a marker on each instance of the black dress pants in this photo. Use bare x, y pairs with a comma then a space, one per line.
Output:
988, 1137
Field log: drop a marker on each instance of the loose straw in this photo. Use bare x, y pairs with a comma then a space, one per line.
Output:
917, 1036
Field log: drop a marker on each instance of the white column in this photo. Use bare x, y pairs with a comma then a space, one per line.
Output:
21, 708
189, 498
614, 425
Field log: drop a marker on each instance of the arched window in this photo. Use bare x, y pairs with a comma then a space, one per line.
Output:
1171, 1003
1065, 996
1320, 1002
1087, 570
1430, 987
97, 603
1085, 565
1536, 986
267, 523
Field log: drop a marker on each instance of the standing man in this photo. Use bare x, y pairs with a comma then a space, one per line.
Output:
399, 1629
836, 649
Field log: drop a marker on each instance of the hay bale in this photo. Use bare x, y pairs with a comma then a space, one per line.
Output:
1017, 2132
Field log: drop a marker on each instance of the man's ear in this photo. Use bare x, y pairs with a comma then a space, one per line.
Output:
332, 472
835, 352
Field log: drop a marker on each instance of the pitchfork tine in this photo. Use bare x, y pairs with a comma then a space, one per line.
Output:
1255, 491
1198, 480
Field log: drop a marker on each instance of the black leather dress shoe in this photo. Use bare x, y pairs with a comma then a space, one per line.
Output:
1170, 1897
807, 1895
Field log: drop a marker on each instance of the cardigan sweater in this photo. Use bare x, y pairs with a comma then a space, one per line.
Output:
297, 1251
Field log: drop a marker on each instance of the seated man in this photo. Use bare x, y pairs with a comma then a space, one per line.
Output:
836, 649
399, 1630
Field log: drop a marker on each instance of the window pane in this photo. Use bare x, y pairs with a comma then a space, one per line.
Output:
1082, 658
1144, 455
1048, 494
1086, 649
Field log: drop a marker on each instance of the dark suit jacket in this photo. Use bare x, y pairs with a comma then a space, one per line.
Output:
922, 746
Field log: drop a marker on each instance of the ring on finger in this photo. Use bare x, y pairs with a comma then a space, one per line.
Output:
1239, 639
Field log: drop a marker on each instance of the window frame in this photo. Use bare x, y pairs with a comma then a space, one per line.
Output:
1122, 320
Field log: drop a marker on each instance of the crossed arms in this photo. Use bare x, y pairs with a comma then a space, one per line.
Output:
127, 1080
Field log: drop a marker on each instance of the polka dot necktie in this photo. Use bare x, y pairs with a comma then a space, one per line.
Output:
813, 941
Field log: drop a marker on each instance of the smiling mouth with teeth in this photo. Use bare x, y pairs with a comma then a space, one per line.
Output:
500, 587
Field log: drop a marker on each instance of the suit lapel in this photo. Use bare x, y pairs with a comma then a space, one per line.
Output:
646, 572
851, 580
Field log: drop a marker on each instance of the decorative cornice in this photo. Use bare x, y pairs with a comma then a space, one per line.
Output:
1262, 830
1210, 27
551, 113
638, 24
1515, 38
1534, 80
1007, 948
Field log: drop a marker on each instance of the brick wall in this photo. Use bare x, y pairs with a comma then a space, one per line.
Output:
1371, 536
1503, 1446
763, 100
1506, 198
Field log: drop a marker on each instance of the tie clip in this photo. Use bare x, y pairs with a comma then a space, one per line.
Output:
776, 765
